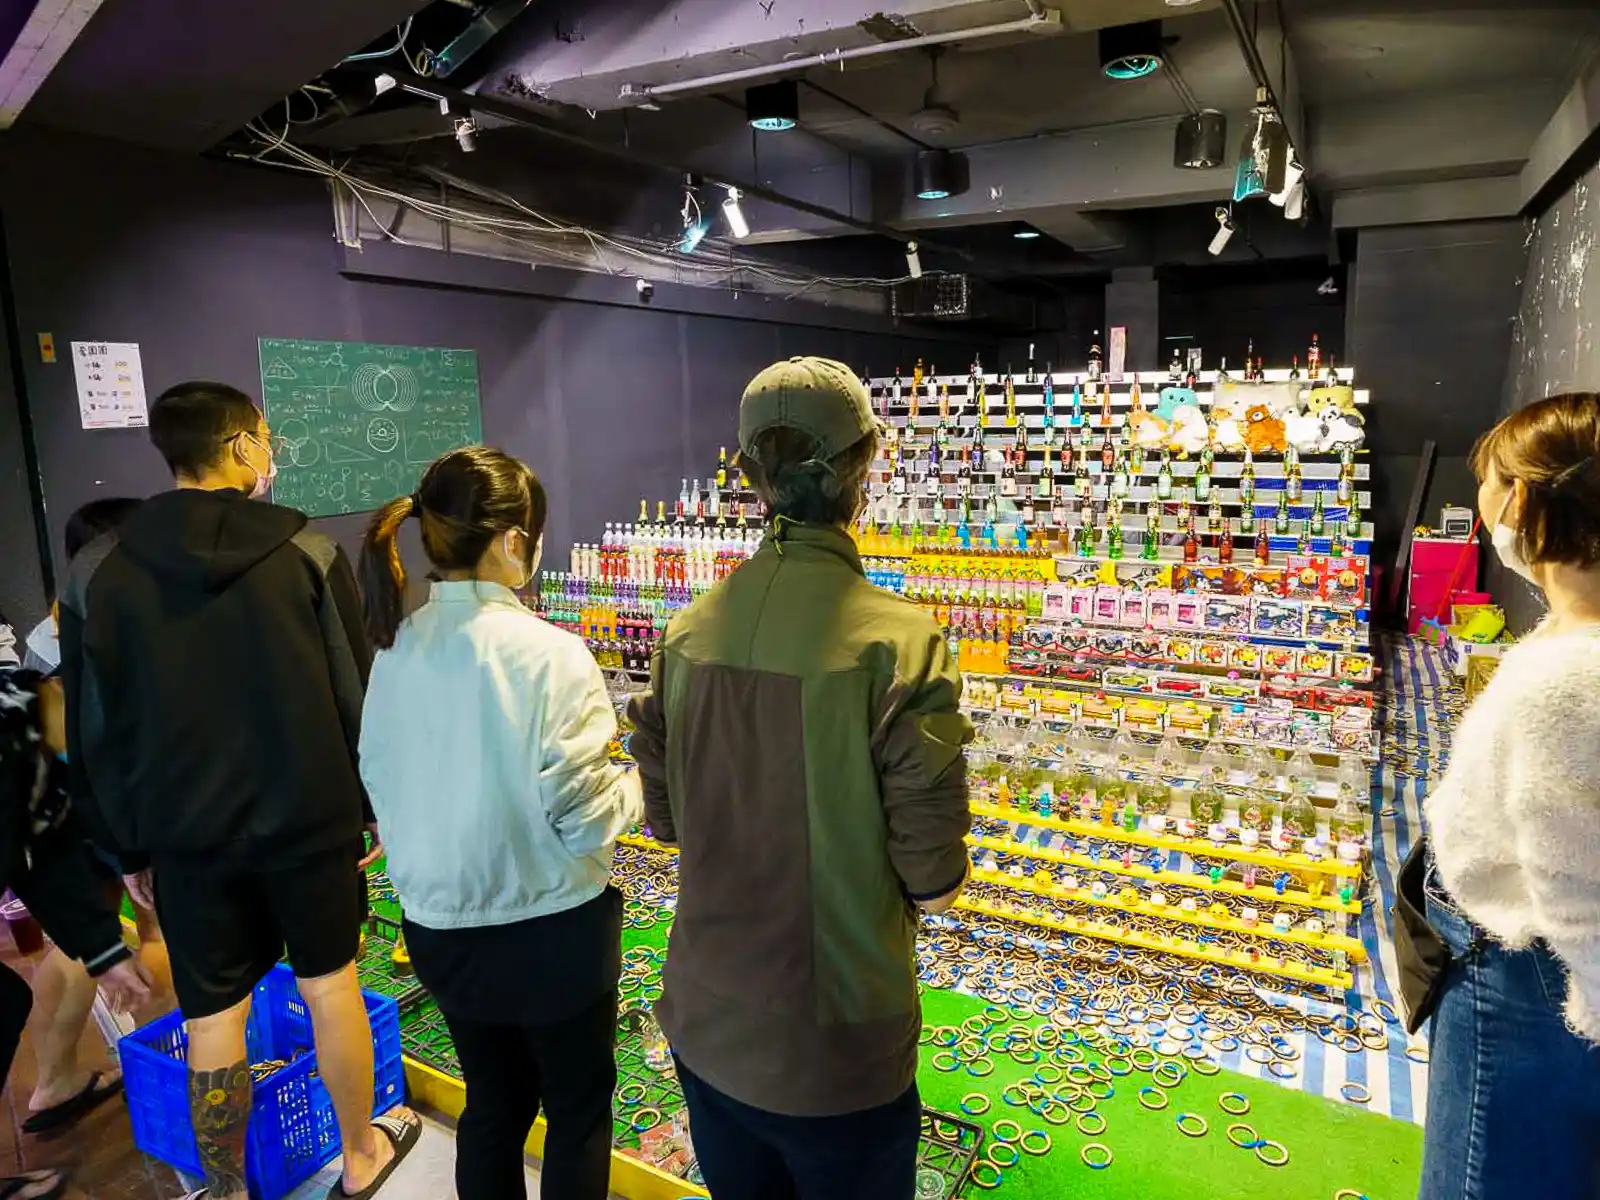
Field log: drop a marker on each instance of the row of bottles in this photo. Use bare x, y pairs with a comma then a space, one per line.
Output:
698, 556
899, 396
1131, 785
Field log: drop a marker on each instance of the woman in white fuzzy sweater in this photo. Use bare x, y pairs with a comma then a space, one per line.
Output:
1514, 1089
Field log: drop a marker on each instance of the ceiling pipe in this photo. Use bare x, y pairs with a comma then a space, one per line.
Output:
1038, 20
1258, 70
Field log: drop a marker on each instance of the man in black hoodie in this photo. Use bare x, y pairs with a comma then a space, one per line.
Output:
214, 662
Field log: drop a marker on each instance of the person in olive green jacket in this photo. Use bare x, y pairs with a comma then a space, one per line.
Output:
802, 745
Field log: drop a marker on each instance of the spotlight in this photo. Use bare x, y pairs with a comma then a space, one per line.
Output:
1131, 51
1202, 141
466, 134
1025, 233
935, 174
734, 215
773, 107
695, 225
1224, 234
913, 261
1292, 175
1294, 205
1264, 153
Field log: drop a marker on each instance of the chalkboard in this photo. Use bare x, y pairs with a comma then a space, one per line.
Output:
360, 422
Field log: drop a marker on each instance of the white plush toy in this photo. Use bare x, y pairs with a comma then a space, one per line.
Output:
1338, 418
1227, 434
1302, 430
1190, 434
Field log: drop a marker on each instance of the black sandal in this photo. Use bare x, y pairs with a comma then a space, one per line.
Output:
12, 1186
69, 1112
403, 1132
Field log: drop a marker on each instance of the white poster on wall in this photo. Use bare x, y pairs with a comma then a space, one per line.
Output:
110, 385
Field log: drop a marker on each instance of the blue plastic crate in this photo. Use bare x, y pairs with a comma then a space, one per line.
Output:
292, 1133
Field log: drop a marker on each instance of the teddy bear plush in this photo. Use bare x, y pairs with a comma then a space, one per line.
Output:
1263, 432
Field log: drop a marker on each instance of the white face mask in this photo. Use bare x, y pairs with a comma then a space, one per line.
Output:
45, 642
263, 483
1505, 545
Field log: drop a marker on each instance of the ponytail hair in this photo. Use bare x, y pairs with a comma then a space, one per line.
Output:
466, 499
383, 573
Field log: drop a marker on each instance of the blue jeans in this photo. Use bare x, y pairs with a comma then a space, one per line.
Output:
748, 1154
1513, 1094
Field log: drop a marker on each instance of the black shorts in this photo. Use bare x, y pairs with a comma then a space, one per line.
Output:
227, 925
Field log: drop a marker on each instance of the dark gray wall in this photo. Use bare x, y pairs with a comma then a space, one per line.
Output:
22, 590
1428, 330
194, 260
1275, 306
1556, 343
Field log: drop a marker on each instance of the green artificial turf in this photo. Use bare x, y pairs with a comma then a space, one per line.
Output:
1331, 1145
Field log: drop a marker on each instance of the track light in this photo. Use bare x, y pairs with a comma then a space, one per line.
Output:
466, 133
1131, 51
773, 107
936, 177
913, 261
1224, 233
1201, 141
1293, 175
734, 215
695, 225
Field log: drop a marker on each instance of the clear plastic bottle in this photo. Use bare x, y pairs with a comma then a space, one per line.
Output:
1114, 786
1155, 787
1075, 782
1206, 798
1347, 828
1299, 821
1258, 810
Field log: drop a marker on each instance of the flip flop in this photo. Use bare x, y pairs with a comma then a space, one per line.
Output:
404, 1132
68, 1112
14, 1185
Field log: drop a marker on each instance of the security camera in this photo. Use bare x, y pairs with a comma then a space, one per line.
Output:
1224, 234
466, 134
646, 290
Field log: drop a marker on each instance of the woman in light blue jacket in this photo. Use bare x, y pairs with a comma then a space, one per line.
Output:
484, 750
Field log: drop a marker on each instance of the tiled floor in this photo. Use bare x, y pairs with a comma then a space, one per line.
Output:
106, 1166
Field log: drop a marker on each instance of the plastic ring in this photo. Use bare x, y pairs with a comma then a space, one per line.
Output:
1095, 1132
925, 1036
1012, 1157
1356, 1093
946, 1035
1169, 1074
1099, 1148
1226, 1102
1056, 1112
970, 1102
1350, 1194
1058, 1073
1012, 1131
630, 1094
987, 1065
1011, 1090
1115, 1061
1145, 1094
1088, 1090
946, 1055
983, 1164
1194, 1118
1252, 1143
646, 1118
1042, 1136
1282, 1070
1417, 1054
1278, 1147
1205, 1066
1385, 1011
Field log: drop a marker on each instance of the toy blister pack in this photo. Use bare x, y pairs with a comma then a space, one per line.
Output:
1272, 616
1345, 580
1304, 576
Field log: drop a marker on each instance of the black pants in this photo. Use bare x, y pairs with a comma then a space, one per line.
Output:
748, 1154
16, 1001
567, 1067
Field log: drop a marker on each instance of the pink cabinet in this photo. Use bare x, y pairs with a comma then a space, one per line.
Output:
1434, 563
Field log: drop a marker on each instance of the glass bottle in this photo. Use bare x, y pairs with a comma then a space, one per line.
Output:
1347, 827
1150, 547
1115, 779
1206, 797
1191, 545
1263, 546
1202, 477
1225, 542
1318, 516
1293, 482
1114, 535
1281, 521
1299, 813
1247, 483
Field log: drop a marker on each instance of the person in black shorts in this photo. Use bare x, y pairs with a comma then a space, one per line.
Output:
214, 662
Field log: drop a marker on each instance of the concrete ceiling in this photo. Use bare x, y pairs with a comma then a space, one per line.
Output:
183, 74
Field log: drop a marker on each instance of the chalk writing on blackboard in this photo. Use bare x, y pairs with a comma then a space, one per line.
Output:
360, 422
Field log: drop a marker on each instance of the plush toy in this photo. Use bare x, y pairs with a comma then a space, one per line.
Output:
1226, 433
1302, 430
1190, 433
1263, 432
1172, 398
1147, 430
1341, 423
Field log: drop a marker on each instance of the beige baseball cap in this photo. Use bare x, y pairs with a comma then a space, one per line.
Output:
817, 396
